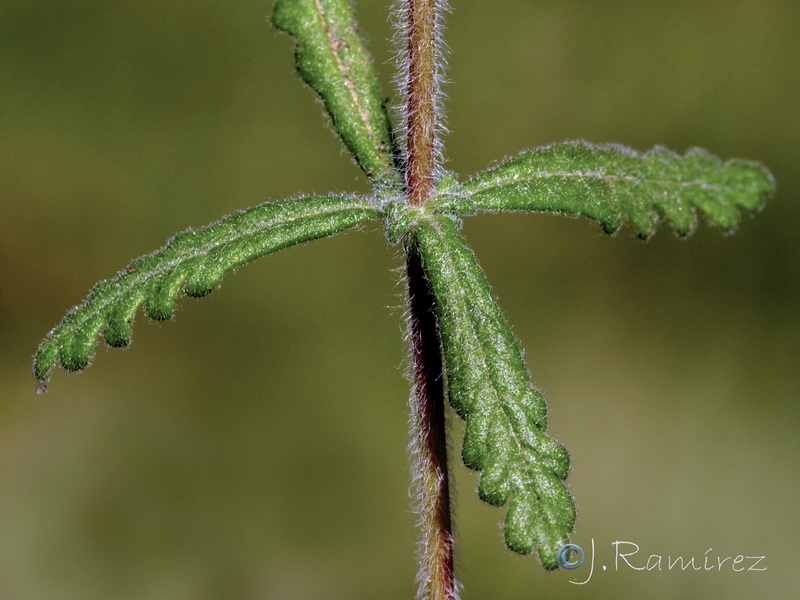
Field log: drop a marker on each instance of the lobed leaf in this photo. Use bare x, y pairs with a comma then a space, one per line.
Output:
489, 386
612, 183
333, 60
195, 261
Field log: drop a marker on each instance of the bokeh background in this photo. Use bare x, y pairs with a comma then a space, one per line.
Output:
255, 446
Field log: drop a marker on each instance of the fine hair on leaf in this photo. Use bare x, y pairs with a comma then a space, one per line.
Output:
462, 349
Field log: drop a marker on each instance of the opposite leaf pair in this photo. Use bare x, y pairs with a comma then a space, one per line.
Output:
487, 382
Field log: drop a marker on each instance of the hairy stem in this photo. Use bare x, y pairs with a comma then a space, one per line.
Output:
436, 577
421, 100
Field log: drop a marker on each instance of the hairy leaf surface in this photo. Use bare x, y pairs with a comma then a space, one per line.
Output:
489, 386
612, 183
195, 261
332, 59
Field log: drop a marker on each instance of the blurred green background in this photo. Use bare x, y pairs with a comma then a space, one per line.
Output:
255, 447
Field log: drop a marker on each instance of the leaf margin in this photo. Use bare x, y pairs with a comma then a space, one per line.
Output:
327, 42
749, 186
73, 340
541, 510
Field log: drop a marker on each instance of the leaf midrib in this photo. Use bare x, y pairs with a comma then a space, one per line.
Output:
345, 74
457, 267
504, 184
128, 280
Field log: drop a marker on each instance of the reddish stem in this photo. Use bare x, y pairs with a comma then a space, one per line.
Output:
437, 578
421, 93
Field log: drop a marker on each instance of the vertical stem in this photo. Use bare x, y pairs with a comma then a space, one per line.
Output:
421, 92
436, 577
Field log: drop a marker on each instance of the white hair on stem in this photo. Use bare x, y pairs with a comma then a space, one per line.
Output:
418, 24
428, 447
420, 77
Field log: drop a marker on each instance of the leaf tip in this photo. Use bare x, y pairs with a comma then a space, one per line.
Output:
44, 359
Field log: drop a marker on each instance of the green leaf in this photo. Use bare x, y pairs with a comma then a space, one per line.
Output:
489, 386
195, 261
332, 59
613, 183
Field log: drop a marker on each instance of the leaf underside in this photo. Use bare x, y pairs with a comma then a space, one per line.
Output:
489, 386
195, 261
333, 60
612, 184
